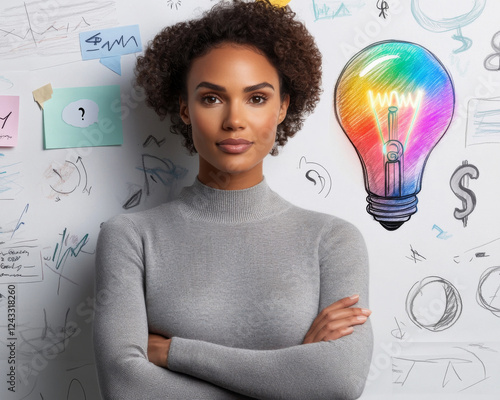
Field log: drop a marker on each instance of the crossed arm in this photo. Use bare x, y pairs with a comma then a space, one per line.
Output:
332, 361
332, 323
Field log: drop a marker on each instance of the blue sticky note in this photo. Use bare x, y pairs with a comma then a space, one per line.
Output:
113, 63
110, 42
83, 117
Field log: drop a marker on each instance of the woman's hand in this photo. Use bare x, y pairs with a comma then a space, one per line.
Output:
158, 347
336, 320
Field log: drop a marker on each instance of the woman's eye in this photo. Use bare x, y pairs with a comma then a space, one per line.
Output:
258, 99
210, 100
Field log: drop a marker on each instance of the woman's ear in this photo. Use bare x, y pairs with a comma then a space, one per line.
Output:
184, 111
283, 108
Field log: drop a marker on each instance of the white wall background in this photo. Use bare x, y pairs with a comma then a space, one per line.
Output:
53, 353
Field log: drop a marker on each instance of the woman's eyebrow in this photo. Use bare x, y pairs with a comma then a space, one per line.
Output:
219, 88
212, 86
258, 86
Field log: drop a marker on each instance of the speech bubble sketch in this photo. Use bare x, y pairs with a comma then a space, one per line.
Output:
81, 113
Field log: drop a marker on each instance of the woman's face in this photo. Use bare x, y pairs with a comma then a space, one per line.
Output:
234, 107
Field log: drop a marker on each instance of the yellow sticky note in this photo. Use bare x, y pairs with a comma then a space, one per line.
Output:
43, 94
279, 3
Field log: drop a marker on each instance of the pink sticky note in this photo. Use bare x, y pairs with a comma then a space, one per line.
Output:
9, 120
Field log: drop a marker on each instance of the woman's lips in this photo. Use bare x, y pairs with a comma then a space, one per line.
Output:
234, 146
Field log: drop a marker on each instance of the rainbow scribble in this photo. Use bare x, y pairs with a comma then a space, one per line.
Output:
394, 101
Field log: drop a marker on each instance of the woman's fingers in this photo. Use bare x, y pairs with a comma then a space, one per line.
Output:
338, 305
335, 329
338, 328
336, 320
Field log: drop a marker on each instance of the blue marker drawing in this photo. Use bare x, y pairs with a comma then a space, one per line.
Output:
441, 235
449, 24
109, 44
330, 9
19, 221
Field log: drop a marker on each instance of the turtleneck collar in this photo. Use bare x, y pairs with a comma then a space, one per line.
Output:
230, 206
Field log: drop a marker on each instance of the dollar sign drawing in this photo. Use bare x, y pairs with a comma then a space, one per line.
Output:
459, 185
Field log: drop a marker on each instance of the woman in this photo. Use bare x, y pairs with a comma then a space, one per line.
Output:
229, 291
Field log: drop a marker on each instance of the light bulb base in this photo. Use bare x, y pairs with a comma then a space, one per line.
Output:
391, 212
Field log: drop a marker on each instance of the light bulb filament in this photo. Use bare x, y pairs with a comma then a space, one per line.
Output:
394, 99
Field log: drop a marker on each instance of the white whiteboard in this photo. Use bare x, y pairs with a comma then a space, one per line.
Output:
55, 221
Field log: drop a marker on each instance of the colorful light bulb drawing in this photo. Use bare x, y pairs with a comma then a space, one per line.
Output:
394, 100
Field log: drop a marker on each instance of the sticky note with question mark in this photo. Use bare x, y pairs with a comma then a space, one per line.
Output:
83, 117
81, 113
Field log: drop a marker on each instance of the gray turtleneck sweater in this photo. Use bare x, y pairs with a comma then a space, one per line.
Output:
235, 278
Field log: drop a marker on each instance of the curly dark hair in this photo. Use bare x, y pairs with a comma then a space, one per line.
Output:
271, 30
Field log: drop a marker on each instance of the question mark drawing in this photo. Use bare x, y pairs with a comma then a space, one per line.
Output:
83, 111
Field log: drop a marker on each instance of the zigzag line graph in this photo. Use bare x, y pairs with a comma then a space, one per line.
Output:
37, 28
30, 32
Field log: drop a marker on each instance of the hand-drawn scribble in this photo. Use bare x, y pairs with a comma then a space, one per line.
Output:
488, 290
441, 235
461, 370
134, 200
398, 332
66, 178
37, 27
160, 170
492, 61
9, 180
9, 227
108, 45
394, 124
433, 304
330, 9
9, 120
76, 391
174, 3
483, 121
151, 139
318, 175
478, 252
4, 119
5, 83
459, 184
20, 261
96, 41
449, 23
461, 66
382, 6
38, 345
415, 255
19, 222
69, 246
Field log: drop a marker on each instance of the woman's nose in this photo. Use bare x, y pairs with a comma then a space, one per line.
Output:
235, 117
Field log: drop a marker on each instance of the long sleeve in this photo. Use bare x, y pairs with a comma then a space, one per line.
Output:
121, 328
235, 278
326, 370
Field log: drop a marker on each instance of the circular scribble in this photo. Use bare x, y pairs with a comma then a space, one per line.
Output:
433, 304
488, 290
